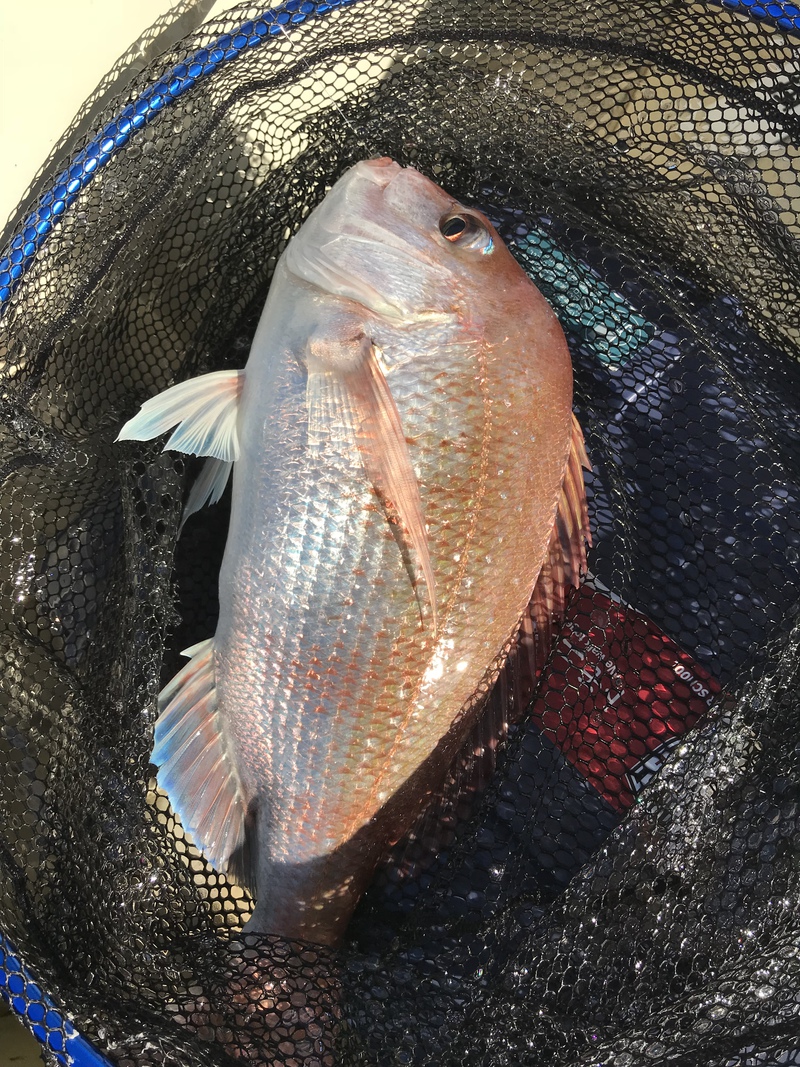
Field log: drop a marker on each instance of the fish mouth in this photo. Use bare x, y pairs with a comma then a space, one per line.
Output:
371, 241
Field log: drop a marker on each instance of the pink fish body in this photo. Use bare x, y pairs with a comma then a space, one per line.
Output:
400, 439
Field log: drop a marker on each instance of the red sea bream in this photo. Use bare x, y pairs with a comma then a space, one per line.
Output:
405, 461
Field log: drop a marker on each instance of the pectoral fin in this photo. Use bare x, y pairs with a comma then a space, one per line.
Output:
362, 388
203, 409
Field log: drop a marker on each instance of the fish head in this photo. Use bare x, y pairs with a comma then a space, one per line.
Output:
394, 242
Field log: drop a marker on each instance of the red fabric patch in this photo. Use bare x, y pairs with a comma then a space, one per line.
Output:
618, 694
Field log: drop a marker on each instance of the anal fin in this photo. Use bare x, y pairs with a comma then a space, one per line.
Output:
195, 768
242, 863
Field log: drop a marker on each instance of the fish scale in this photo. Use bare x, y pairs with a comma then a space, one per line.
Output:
303, 580
399, 440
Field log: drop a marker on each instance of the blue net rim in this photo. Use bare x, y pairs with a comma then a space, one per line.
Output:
33, 232
38, 1012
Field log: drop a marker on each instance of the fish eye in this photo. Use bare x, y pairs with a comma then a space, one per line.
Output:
463, 228
454, 227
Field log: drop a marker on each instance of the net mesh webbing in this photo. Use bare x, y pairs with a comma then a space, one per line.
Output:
642, 162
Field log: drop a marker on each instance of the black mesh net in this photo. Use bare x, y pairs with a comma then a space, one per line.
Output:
642, 162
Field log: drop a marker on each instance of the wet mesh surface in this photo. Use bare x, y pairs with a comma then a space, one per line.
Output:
643, 164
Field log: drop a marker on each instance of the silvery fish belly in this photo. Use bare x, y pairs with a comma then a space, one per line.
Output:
405, 463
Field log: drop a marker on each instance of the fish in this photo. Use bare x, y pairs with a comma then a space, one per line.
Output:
407, 497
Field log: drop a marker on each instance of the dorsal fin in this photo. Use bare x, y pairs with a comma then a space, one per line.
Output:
562, 569
563, 566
